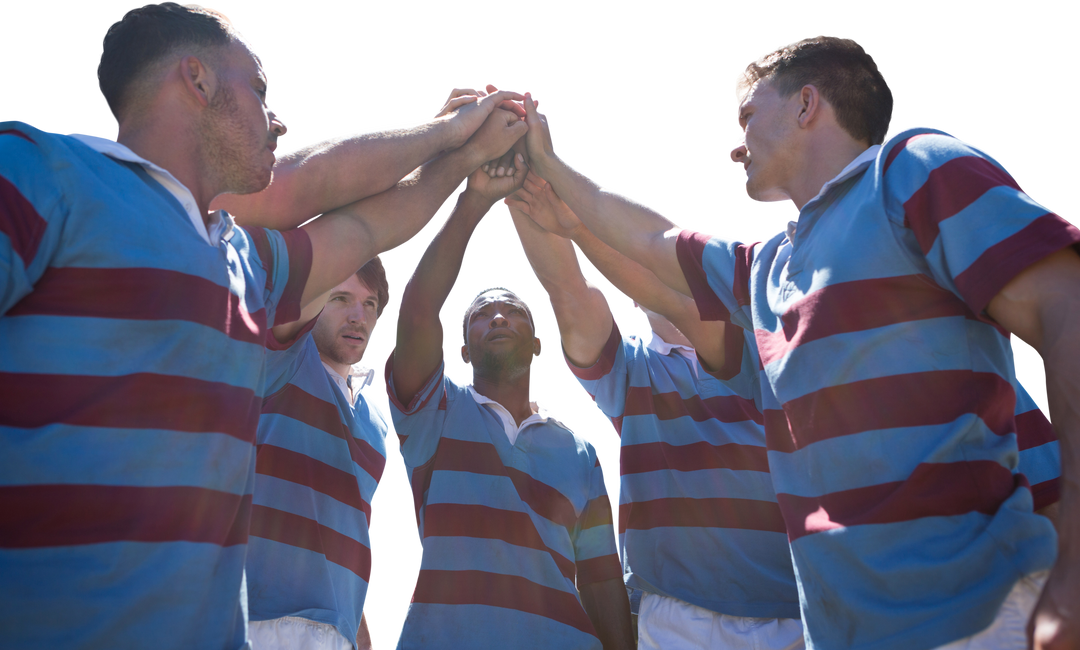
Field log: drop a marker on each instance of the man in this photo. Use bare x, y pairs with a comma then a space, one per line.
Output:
132, 330
881, 321
320, 454
519, 550
700, 530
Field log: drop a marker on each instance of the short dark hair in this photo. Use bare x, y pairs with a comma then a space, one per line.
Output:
469, 310
144, 36
842, 71
373, 275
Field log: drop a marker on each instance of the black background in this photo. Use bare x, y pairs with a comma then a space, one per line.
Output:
644, 105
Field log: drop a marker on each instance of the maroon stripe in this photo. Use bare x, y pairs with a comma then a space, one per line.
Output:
1033, 430
261, 242
137, 401
419, 482
743, 514
301, 469
20, 221
604, 363
656, 456
19, 134
857, 306
948, 189
932, 490
142, 294
734, 341
299, 246
1046, 493
908, 400
690, 249
500, 590
367, 457
298, 404
483, 522
597, 512
482, 458
778, 432
1003, 261
744, 258
67, 515
640, 400
294, 530
899, 147
599, 569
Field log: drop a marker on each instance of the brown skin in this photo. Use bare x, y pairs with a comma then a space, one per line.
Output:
1041, 304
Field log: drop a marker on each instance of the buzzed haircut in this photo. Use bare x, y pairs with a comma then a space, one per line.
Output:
373, 275
843, 73
146, 35
469, 310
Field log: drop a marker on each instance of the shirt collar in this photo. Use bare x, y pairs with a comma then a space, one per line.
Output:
539, 416
359, 377
660, 346
221, 223
861, 162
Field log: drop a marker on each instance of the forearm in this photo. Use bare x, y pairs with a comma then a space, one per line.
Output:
608, 608
1061, 357
363, 637
630, 229
337, 172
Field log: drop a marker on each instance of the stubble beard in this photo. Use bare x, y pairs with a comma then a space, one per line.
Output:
226, 145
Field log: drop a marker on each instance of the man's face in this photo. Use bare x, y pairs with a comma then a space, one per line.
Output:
500, 334
239, 131
769, 124
345, 325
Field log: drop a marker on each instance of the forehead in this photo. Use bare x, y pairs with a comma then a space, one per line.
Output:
493, 297
760, 92
241, 59
355, 286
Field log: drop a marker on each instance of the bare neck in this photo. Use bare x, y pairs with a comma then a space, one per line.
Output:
169, 141
827, 156
511, 393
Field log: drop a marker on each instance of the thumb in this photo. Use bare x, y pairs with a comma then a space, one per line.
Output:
531, 116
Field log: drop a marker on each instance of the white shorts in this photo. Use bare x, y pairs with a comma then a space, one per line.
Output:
672, 624
295, 633
1009, 629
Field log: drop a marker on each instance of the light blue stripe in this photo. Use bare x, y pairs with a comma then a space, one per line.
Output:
481, 627
494, 556
700, 484
306, 502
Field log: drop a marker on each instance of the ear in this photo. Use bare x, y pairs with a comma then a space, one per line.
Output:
199, 81
809, 105
536, 347
465, 354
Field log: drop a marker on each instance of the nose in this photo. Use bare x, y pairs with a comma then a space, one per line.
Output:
277, 127
357, 314
497, 319
738, 154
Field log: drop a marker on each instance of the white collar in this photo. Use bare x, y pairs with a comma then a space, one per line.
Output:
221, 224
660, 346
350, 387
512, 430
861, 162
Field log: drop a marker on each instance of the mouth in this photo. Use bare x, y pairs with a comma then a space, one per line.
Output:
498, 336
358, 338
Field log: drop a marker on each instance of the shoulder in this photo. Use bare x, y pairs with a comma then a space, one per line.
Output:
920, 151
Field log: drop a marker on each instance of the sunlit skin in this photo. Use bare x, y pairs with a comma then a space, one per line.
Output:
768, 125
344, 327
501, 341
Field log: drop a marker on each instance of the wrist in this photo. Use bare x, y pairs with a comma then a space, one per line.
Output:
474, 200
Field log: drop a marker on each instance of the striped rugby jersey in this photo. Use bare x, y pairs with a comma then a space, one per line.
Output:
889, 414
319, 460
698, 518
131, 371
508, 530
1040, 452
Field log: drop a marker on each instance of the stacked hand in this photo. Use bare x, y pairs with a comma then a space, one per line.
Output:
538, 200
466, 109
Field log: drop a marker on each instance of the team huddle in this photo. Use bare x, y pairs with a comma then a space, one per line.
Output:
823, 442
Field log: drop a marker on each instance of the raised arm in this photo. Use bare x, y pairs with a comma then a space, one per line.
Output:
631, 229
582, 312
420, 336
338, 172
345, 239
1041, 305
539, 201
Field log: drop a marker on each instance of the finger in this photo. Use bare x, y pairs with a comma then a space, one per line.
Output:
454, 103
513, 107
531, 116
532, 185
458, 92
491, 88
501, 96
506, 164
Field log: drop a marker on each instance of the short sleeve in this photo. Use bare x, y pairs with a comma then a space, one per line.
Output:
285, 256
32, 211
419, 424
607, 380
966, 215
718, 273
595, 553
1040, 451
283, 361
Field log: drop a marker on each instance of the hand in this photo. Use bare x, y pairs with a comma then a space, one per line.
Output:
1055, 623
493, 189
541, 151
495, 137
459, 97
469, 115
538, 200
504, 165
